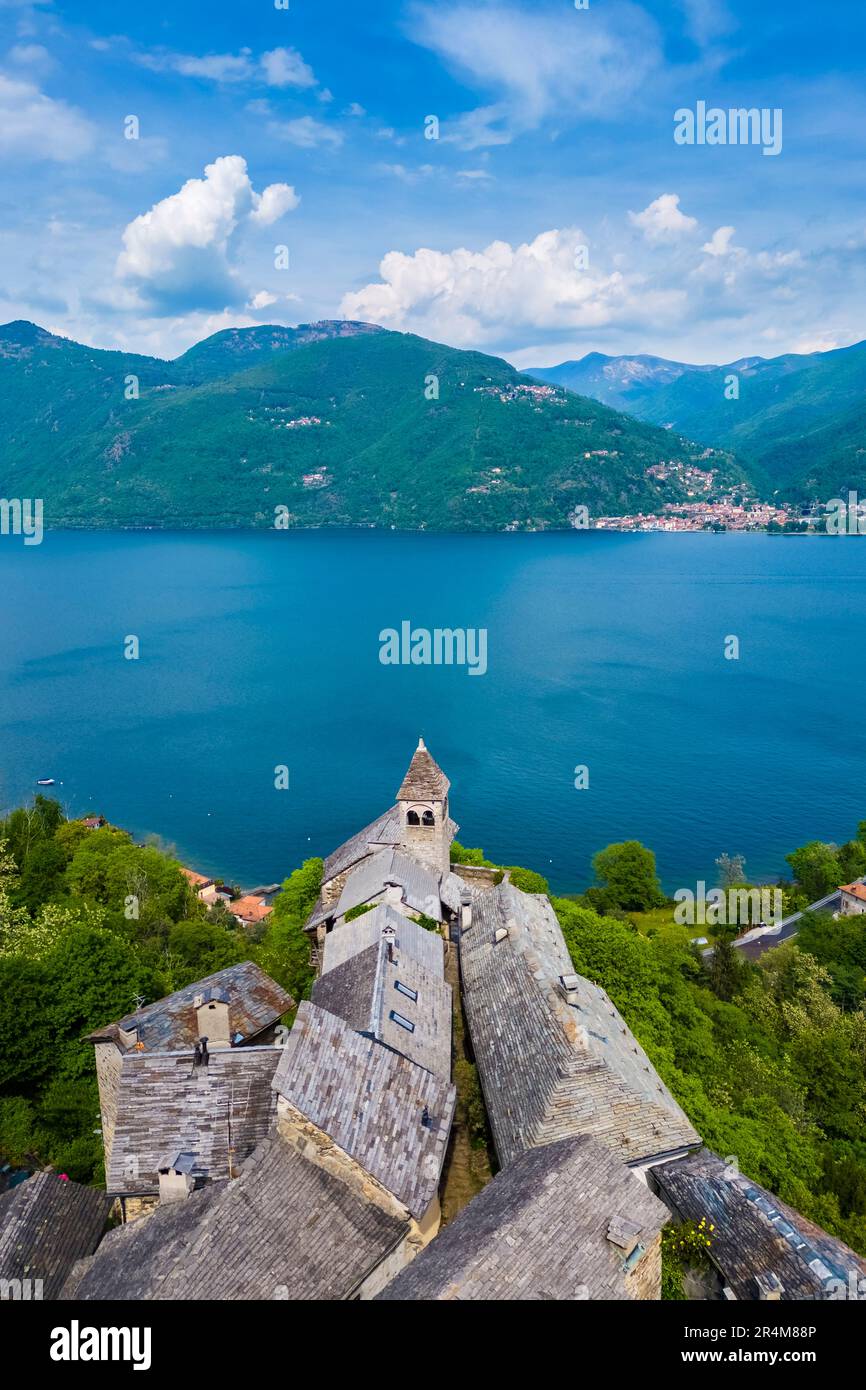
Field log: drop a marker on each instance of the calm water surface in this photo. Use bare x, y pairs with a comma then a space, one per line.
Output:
604, 650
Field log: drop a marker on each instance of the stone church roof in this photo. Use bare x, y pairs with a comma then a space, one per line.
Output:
419, 888
410, 939
390, 997
383, 831
756, 1237
46, 1224
285, 1230
539, 1231
554, 1056
424, 780
166, 1106
255, 1001
371, 1102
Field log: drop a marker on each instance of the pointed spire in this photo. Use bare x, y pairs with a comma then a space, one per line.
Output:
424, 780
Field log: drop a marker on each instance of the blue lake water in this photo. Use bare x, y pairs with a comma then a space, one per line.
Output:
603, 650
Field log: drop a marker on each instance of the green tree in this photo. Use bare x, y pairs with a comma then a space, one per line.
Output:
627, 874
816, 869
852, 861
527, 880
42, 874
28, 1033
285, 949
22, 1138
198, 949
94, 978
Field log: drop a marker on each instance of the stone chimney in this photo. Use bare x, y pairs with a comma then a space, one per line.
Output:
770, 1287
177, 1178
212, 1015
465, 910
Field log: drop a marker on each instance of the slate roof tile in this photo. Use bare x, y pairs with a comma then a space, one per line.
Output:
755, 1233
256, 1002
553, 1065
46, 1224
166, 1106
284, 1230
371, 1102
538, 1231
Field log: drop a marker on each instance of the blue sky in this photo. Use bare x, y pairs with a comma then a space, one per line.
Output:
304, 128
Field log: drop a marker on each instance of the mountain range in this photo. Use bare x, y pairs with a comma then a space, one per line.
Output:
335, 423
796, 422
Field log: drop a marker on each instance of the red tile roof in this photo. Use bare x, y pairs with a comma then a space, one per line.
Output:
197, 880
250, 909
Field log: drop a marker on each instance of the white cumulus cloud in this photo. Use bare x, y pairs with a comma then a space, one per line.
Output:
475, 297
662, 220
180, 252
284, 67
719, 243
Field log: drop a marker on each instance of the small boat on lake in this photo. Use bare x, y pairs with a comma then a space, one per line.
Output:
45, 782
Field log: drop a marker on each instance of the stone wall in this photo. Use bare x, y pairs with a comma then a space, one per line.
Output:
645, 1280
109, 1062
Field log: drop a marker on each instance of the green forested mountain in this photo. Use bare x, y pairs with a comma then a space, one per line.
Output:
798, 423
337, 423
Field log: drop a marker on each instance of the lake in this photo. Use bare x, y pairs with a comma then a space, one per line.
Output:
603, 650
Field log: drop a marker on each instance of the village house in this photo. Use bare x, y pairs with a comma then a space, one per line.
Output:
198, 882
852, 899
249, 910
285, 1229
382, 990
345, 1096
419, 830
179, 1067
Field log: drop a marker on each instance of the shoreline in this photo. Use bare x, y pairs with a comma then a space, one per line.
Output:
361, 527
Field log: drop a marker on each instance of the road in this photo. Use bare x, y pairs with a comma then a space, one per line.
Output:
754, 943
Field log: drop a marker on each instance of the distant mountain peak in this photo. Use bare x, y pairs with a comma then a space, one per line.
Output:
20, 337
23, 331
246, 346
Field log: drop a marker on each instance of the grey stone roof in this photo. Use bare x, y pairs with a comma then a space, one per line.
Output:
285, 1229
385, 830
165, 1107
371, 1102
256, 1002
47, 1224
538, 1231
411, 939
424, 780
372, 992
755, 1234
419, 888
451, 889
550, 1065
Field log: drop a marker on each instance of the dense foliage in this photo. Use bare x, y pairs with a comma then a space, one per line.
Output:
91, 925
